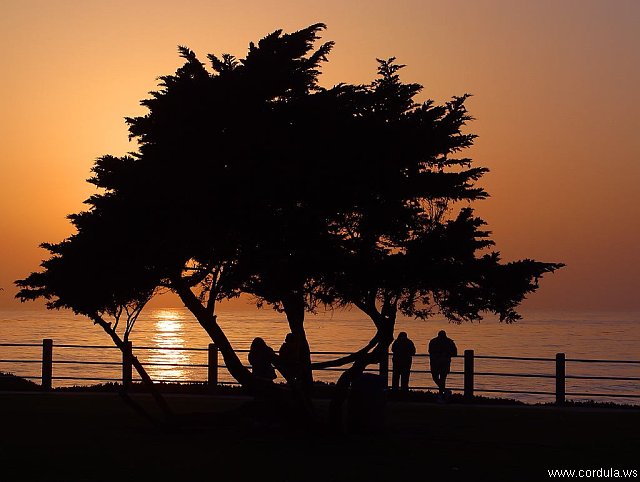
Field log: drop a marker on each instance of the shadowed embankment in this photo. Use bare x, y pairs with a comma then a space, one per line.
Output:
95, 437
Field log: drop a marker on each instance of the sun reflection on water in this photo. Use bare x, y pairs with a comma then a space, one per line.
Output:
168, 336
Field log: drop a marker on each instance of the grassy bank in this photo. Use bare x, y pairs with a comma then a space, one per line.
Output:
96, 437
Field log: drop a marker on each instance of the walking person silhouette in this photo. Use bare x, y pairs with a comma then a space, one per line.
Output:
403, 350
441, 349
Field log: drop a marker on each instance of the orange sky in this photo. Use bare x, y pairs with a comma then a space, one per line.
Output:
556, 98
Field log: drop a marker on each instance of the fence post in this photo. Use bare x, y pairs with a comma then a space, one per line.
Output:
560, 378
468, 374
47, 363
212, 369
127, 365
384, 368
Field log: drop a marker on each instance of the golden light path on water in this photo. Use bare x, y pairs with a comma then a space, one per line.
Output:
168, 336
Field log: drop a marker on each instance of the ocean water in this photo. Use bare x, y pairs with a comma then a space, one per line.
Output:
601, 336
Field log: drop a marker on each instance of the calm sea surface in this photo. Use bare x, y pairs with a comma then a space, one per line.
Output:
609, 336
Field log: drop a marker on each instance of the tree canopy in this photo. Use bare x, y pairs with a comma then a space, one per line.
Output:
250, 177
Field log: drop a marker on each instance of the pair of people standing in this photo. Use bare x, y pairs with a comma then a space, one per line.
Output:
441, 350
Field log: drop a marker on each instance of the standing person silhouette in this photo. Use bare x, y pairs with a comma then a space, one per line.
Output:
261, 358
441, 349
403, 350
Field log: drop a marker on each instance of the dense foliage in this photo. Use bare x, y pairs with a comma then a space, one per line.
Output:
251, 178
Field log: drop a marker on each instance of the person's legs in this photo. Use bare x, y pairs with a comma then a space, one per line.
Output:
441, 377
395, 377
446, 368
404, 377
434, 373
437, 375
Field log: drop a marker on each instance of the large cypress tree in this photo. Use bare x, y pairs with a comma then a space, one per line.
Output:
250, 177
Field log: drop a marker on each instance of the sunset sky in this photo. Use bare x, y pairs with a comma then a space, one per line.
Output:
556, 97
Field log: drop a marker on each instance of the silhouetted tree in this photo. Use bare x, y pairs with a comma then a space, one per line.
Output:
87, 274
206, 161
238, 128
252, 178
404, 236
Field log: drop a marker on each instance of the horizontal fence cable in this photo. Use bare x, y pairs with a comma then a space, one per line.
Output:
580, 360
524, 392
594, 377
515, 375
434, 389
523, 358
99, 379
371, 369
85, 362
429, 371
169, 380
167, 364
169, 348
22, 344
423, 355
331, 353
20, 361
616, 395
98, 347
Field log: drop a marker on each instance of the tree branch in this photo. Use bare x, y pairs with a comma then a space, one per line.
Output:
338, 362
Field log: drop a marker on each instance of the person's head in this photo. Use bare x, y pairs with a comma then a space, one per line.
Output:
442, 334
402, 334
257, 343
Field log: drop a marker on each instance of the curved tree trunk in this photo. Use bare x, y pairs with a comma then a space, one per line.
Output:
294, 309
144, 376
210, 325
363, 358
344, 382
345, 360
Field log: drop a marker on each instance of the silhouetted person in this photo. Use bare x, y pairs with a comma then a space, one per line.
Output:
289, 357
261, 358
441, 349
403, 350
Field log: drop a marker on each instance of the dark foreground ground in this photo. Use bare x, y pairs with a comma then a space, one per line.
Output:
97, 437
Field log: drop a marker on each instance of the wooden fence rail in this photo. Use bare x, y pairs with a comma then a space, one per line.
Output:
469, 373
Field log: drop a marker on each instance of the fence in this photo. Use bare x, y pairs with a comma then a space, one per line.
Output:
213, 366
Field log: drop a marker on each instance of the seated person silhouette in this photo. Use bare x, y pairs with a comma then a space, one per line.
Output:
289, 358
403, 350
441, 349
261, 358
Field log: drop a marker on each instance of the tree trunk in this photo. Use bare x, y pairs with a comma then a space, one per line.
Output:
345, 360
362, 360
144, 376
294, 309
341, 391
210, 325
